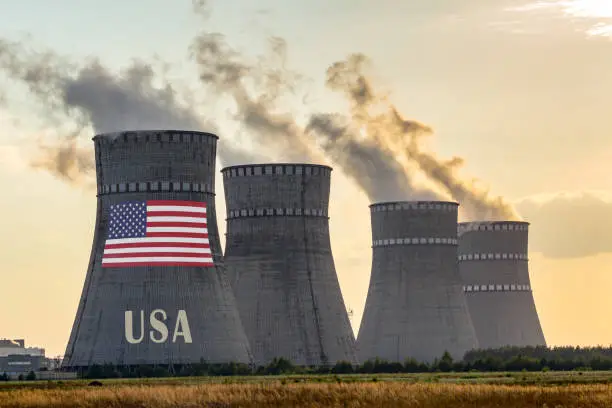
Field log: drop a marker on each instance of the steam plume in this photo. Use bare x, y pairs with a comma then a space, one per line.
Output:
376, 171
67, 161
227, 72
393, 134
382, 152
384, 165
94, 97
278, 135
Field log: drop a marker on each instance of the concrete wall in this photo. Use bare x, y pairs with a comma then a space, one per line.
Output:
155, 165
415, 307
280, 263
14, 347
493, 263
21, 363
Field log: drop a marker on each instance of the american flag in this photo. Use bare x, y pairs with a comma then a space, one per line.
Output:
157, 233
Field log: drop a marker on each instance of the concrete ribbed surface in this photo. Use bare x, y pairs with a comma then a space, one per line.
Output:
415, 306
505, 315
160, 165
280, 264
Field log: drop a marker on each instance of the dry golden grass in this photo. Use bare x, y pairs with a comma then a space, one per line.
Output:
382, 394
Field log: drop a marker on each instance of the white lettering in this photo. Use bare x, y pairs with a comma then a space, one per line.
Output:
129, 327
181, 320
159, 329
159, 326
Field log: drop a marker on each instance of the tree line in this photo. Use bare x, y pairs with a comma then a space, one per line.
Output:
31, 376
538, 358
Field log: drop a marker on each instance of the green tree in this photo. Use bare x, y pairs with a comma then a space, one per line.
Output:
445, 364
279, 366
343, 367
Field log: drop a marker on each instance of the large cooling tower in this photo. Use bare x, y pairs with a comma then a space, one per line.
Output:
280, 263
415, 306
156, 290
493, 266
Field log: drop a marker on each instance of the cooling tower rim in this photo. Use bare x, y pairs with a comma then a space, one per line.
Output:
243, 166
501, 222
135, 134
414, 202
497, 226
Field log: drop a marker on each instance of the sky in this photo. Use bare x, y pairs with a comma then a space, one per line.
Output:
520, 90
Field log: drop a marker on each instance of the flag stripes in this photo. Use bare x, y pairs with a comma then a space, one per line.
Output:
158, 233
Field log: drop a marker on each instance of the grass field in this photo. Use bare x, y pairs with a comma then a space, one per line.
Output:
525, 390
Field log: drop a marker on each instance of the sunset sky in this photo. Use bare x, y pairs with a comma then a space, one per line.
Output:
521, 90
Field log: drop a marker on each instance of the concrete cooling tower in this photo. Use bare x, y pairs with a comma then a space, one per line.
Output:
493, 266
415, 306
280, 263
156, 290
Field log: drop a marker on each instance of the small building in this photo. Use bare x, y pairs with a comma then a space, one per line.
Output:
17, 347
16, 358
19, 363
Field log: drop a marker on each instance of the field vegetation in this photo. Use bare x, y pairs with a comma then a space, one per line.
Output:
513, 359
508, 377
288, 392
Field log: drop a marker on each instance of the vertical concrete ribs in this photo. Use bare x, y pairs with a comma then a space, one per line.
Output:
415, 307
280, 263
493, 264
164, 313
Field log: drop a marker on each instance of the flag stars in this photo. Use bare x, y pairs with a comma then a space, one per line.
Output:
127, 220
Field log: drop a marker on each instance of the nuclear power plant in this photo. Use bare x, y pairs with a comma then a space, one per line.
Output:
280, 263
156, 291
415, 307
493, 264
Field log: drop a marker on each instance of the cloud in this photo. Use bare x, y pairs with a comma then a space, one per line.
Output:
592, 17
569, 225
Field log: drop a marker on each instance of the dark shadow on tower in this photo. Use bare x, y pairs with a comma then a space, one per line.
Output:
161, 297
415, 306
280, 263
493, 263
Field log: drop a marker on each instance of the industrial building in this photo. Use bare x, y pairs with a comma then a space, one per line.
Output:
17, 347
156, 291
280, 263
16, 358
415, 307
493, 263
19, 364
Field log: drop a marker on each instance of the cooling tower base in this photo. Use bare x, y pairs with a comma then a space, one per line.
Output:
281, 267
415, 306
156, 291
505, 319
493, 263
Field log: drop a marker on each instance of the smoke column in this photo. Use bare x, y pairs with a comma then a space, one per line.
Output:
67, 160
384, 163
390, 132
375, 170
226, 72
93, 96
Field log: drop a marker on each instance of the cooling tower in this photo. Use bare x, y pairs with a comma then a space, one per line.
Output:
415, 306
493, 266
156, 291
280, 263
